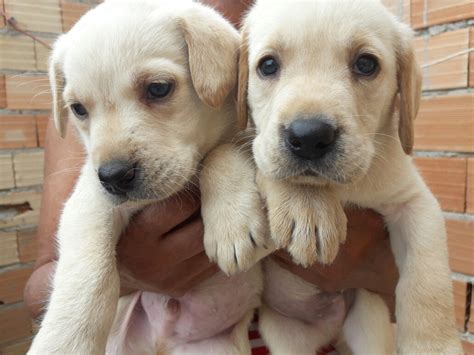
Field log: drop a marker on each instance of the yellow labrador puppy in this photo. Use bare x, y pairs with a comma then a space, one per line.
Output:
333, 89
150, 86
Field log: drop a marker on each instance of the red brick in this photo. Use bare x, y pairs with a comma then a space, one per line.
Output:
445, 123
468, 347
7, 179
36, 15
470, 186
446, 178
17, 132
450, 73
8, 248
471, 58
434, 12
27, 245
12, 284
28, 92
2, 19
72, 11
28, 205
461, 245
15, 323
460, 291
41, 125
3, 92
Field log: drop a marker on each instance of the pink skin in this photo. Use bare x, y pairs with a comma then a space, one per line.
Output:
204, 313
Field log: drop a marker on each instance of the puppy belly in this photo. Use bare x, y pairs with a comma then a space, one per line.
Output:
153, 322
295, 298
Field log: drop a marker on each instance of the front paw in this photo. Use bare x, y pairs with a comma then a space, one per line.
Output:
235, 233
311, 226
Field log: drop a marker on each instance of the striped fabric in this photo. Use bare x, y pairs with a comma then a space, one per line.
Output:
259, 348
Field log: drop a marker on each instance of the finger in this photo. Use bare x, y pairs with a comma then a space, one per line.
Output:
158, 219
183, 243
183, 273
198, 279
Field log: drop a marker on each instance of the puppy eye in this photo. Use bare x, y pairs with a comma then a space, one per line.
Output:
159, 90
366, 65
268, 66
79, 111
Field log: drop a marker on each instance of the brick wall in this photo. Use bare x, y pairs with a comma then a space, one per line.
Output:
444, 140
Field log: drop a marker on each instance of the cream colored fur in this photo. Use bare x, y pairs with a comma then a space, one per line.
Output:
316, 43
105, 62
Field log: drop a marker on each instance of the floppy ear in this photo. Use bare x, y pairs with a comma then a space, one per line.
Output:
212, 49
242, 107
409, 87
57, 82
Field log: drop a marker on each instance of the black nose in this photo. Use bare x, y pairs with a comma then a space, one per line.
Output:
310, 138
118, 176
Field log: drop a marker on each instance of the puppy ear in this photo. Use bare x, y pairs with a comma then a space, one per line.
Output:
409, 87
242, 107
57, 82
212, 49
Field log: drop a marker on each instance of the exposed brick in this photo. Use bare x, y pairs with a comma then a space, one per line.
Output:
18, 52
452, 73
461, 245
468, 347
2, 19
25, 208
72, 11
433, 12
459, 290
20, 348
445, 123
28, 168
42, 54
28, 92
471, 58
7, 180
401, 8
36, 15
8, 248
470, 186
3, 92
446, 178
27, 245
41, 125
17, 132
12, 283
15, 323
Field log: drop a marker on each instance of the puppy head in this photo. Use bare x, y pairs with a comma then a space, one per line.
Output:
322, 81
147, 84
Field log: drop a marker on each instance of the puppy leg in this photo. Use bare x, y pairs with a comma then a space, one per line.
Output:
308, 221
86, 282
235, 223
424, 299
284, 335
367, 329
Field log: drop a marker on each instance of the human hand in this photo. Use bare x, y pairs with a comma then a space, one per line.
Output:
162, 248
364, 261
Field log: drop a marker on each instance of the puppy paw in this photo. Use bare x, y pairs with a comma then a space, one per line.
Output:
235, 233
309, 224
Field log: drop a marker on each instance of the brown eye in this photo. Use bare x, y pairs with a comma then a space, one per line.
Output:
159, 90
79, 111
366, 65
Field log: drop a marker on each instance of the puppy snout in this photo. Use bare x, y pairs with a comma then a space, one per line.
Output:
118, 177
310, 138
